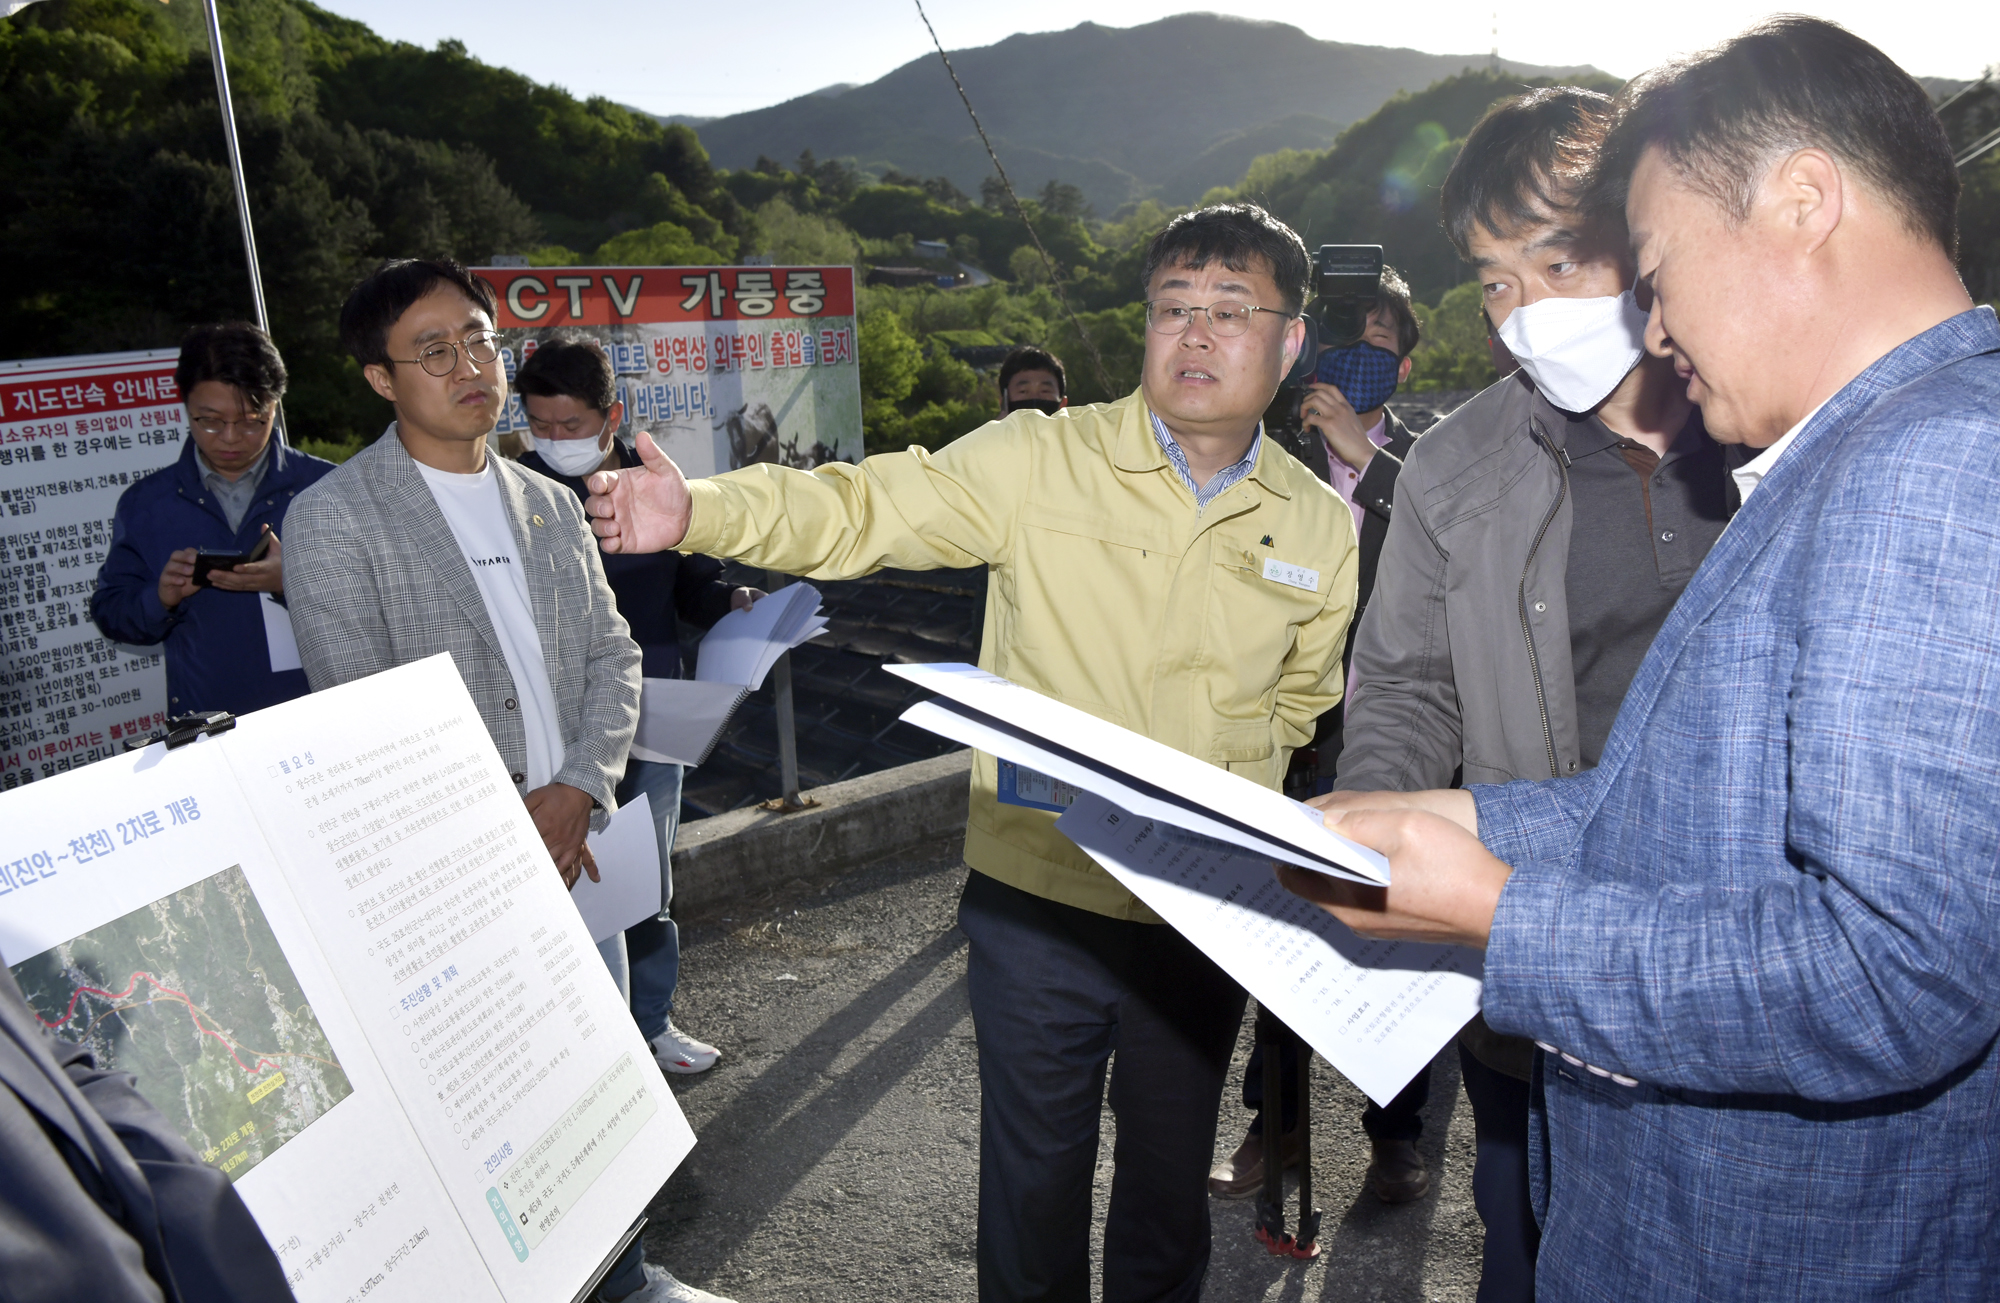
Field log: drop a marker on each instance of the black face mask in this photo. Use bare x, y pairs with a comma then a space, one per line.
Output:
1046, 406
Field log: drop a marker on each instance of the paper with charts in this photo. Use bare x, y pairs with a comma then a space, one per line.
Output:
335, 953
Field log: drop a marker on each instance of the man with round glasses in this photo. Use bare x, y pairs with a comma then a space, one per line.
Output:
425, 543
226, 495
1159, 563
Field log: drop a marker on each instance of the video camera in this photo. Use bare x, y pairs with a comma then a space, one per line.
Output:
1346, 283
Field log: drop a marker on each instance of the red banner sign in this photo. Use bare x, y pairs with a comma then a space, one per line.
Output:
536, 297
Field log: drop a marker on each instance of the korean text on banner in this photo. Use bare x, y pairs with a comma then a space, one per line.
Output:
723, 366
75, 433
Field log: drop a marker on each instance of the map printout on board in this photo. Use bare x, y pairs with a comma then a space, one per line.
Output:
333, 950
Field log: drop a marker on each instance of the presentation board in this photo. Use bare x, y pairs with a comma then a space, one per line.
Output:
333, 948
75, 433
723, 366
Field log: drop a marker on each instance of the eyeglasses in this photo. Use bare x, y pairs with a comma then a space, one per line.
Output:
248, 425
441, 358
1171, 316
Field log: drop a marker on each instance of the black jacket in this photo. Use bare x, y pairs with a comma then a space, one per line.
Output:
654, 588
1376, 493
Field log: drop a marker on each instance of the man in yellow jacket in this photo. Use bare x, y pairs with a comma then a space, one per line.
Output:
1158, 563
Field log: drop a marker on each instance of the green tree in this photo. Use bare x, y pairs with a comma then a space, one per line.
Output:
890, 360
803, 239
1061, 199
663, 244
1452, 353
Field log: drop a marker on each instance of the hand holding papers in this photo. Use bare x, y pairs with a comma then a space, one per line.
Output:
1379, 1011
1195, 843
1131, 771
744, 645
628, 870
680, 719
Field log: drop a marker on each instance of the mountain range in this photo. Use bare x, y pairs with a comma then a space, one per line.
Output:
1166, 109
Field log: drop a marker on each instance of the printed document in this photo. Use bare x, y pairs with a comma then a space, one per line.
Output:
680, 720
628, 870
333, 949
1065, 745
1378, 1011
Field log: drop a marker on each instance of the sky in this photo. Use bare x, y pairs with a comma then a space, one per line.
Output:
711, 59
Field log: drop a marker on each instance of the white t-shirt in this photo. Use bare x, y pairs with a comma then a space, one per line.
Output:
478, 518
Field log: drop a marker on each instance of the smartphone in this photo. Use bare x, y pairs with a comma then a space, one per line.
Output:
204, 562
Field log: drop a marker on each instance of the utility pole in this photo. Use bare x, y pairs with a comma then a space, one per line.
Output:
226, 103
788, 734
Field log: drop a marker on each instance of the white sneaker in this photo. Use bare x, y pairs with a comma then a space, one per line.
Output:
676, 1051
661, 1287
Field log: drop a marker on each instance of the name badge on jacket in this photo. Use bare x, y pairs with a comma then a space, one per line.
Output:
1284, 572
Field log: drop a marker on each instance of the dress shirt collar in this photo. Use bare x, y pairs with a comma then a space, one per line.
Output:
248, 481
1751, 473
1223, 480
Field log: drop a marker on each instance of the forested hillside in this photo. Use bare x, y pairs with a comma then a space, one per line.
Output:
121, 230
1119, 112
120, 226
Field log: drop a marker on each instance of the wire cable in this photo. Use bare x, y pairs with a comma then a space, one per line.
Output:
1048, 263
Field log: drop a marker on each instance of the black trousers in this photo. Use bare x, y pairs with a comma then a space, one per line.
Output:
1057, 994
1500, 1182
1403, 1119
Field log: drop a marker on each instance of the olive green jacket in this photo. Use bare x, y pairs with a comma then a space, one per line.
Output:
1109, 590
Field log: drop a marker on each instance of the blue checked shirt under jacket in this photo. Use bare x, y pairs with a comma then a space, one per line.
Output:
1222, 481
1776, 903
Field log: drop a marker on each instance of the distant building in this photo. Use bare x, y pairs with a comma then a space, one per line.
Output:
909, 277
983, 357
933, 249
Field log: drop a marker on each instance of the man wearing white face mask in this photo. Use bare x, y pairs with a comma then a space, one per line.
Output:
569, 391
1546, 529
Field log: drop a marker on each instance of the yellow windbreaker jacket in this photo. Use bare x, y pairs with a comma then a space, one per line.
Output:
1109, 591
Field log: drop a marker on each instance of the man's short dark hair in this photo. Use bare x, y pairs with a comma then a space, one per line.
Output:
233, 353
385, 294
1029, 358
569, 364
1239, 236
1525, 162
1723, 117
1395, 300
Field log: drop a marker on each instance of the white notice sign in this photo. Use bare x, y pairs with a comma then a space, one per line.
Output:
75, 433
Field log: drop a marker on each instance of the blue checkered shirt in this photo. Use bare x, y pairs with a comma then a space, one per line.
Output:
1222, 481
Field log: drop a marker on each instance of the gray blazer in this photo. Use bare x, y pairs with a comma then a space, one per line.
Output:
375, 579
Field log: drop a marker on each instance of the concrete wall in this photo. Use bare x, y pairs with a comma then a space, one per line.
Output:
721, 859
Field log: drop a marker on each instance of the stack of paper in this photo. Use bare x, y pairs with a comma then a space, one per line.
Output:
744, 645
1131, 771
1195, 843
681, 719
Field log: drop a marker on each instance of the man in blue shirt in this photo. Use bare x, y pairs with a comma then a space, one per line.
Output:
230, 488
570, 393
1759, 944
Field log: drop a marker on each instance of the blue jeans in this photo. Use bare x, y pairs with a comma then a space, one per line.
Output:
653, 948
